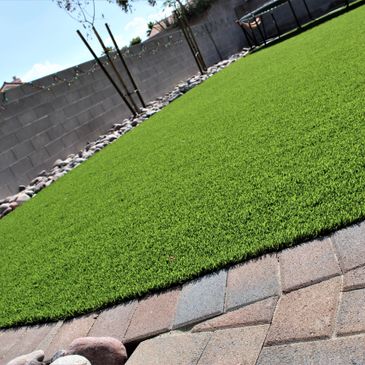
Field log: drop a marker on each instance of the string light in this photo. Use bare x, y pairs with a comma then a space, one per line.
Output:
57, 80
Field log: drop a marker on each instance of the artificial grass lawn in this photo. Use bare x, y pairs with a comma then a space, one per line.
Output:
268, 152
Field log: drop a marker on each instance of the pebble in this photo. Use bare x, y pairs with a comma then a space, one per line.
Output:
99, 350
72, 360
61, 167
25, 359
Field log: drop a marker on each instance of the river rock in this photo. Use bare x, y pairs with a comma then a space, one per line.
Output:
99, 350
72, 360
25, 359
22, 197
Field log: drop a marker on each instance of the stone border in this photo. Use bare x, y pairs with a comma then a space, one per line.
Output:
283, 306
62, 167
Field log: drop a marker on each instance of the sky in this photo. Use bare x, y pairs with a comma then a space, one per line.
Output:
38, 38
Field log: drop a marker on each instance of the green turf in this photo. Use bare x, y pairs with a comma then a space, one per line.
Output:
267, 152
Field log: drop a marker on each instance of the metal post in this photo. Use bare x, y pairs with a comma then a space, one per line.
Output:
276, 24
107, 74
115, 70
125, 66
294, 14
214, 44
191, 36
260, 31
245, 33
307, 8
194, 53
253, 34
263, 26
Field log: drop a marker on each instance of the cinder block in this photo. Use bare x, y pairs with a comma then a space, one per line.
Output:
8, 141
23, 149
40, 140
55, 147
70, 139
5, 191
44, 109
38, 157
32, 129
20, 167
9, 126
55, 131
70, 123
7, 158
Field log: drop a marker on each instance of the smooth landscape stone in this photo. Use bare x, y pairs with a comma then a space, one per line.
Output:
73, 360
22, 198
99, 350
24, 359
3, 207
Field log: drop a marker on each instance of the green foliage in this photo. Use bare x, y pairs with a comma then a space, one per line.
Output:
197, 8
268, 152
134, 41
150, 26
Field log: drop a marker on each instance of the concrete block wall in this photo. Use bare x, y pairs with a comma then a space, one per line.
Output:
39, 126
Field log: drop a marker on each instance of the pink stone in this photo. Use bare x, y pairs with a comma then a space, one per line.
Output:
99, 350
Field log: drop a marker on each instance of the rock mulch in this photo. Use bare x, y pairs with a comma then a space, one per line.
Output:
82, 351
252, 319
62, 167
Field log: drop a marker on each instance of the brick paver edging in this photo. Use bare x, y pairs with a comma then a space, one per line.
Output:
291, 307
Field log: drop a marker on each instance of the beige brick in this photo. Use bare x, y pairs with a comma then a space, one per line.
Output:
354, 279
345, 351
153, 315
78, 327
171, 349
306, 314
253, 314
307, 264
351, 316
234, 346
114, 321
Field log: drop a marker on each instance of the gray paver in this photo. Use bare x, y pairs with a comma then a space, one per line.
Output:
307, 264
234, 346
351, 316
114, 321
153, 315
306, 314
354, 279
350, 246
252, 314
200, 299
252, 281
345, 351
172, 349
